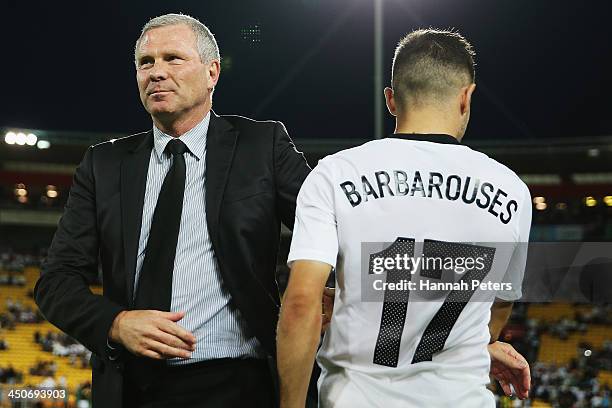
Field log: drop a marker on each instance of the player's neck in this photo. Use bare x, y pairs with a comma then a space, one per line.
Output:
426, 122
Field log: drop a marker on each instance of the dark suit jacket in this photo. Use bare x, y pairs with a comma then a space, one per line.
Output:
253, 175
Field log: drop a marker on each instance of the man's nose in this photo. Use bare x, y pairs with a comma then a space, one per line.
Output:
158, 72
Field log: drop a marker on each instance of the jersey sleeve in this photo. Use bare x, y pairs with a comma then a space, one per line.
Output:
516, 268
315, 236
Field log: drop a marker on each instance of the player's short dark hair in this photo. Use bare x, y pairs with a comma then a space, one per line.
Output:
431, 65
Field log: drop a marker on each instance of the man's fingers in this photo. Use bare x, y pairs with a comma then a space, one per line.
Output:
526, 374
152, 354
172, 341
510, 368
176, 330
522, 381
519, 378
504, 376
521, 374
506, 387
174, 316
167, 351
515, 381
518, 381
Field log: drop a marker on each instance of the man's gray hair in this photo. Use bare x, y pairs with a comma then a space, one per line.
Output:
205, 40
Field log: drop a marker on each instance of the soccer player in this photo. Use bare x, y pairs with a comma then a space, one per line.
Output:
455, 223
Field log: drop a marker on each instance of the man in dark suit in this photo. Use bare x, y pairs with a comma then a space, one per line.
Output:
185, 220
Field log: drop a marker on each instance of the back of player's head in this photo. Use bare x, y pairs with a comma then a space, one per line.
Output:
430, 66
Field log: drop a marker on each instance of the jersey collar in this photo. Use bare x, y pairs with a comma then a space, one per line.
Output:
426, 137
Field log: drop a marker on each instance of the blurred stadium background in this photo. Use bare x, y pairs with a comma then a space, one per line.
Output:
569, 346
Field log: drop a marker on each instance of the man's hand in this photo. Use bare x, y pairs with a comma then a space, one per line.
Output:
153, 334
328, 307
508, 367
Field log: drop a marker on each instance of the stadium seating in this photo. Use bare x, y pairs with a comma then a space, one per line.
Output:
551, 312
555, 350
23, 352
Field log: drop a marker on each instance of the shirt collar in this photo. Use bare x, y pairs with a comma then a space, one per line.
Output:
426, 137
194, 139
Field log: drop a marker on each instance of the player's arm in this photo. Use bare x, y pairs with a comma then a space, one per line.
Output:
508, 366
500, 313
299, 329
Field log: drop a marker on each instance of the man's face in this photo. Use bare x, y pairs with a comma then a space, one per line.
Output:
172, 80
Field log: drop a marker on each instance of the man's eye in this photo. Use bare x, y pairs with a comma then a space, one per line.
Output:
174, 58
145, 64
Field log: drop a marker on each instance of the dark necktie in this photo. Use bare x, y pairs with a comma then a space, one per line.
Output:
154, 289
155, 282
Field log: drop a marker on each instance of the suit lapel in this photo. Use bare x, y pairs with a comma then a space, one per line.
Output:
134, 169
220, 146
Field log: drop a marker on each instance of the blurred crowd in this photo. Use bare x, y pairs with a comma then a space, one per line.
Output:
18, 313
8, 375
62, 345
44, 369
15, 262
574, 385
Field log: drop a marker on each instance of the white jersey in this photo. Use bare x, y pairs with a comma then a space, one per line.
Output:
379, 213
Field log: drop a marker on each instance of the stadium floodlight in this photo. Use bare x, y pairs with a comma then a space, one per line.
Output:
21, 138
541, 206
10, 138
43, 144
538, 200
52, 191
21, 192
608, 201
31, 139
594, 152
590, 201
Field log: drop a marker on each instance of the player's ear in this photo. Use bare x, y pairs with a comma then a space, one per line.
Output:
465, 98
390, 101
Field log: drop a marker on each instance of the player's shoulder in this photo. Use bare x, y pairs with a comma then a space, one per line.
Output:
348, 161
497, 170
351, 154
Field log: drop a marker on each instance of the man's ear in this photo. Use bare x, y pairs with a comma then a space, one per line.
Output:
390, 101
465, 98
214, 70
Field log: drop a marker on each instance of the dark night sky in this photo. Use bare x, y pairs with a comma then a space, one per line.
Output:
544, 67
